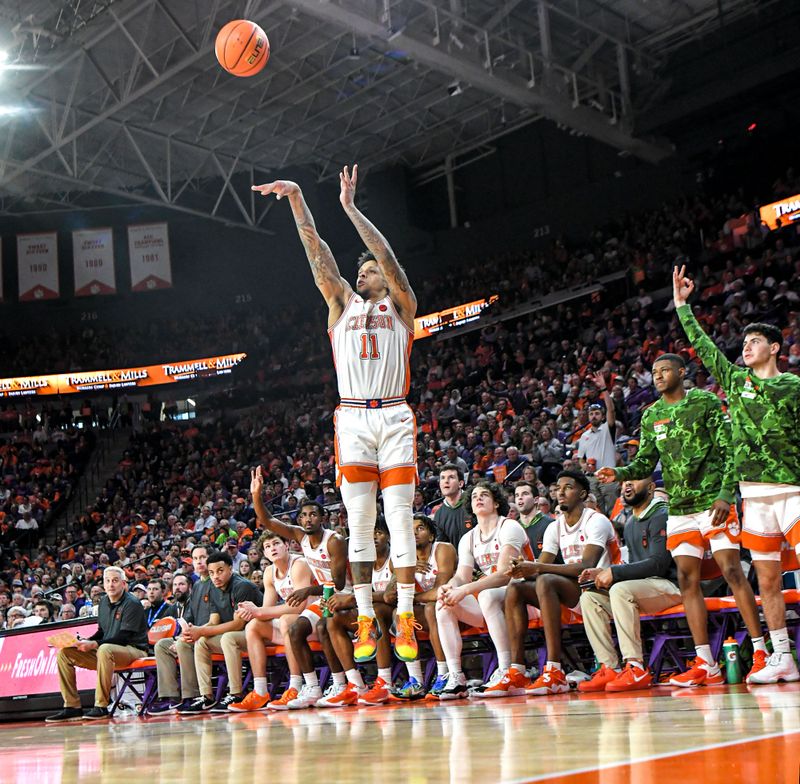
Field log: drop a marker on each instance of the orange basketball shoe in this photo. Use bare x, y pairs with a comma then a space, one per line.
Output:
760, 659
282, 703
551, 681
344, 699
405, 642
252, 702
632, 678
700, 673
367, 635
601, 677
513, 684
377, 695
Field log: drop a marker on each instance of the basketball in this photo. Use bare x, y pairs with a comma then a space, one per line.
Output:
242, 48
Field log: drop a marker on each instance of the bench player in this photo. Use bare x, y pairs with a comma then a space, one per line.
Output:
586, 540
269, 624
371, 331
325, 553
490, 547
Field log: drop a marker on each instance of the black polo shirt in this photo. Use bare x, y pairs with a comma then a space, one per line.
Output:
199, 609
122, 623
225, 602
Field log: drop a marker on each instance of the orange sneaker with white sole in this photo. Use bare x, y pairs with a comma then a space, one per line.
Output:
252, 702
760, 659
551, 681
376, 695
282, 703
700, 673
632, 678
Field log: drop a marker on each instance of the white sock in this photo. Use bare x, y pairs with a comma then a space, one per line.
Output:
780, 640
519, 668
260, 686
441, 668
759, 644
311, 678
503, 660
414, 669
553, 665
405, 597
454, 667
295, 682
385, 674
704, 652
339, 678
354, 677
363, 594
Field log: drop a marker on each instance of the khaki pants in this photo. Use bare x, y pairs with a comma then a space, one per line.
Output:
230, 645
104, 660
167, 671
623, 603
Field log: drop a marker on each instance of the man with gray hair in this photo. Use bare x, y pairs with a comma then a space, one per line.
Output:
120, 639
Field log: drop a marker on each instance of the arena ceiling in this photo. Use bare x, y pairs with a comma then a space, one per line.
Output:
123, 100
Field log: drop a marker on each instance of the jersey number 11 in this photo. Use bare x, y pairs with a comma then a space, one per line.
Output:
369, 346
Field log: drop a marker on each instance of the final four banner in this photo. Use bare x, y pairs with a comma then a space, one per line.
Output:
93, 261
37, 264
148, 248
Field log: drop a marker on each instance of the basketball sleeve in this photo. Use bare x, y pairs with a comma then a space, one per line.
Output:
719, 425
550, 539
647, 456
706, 349
465, 557
599, 530
512, 533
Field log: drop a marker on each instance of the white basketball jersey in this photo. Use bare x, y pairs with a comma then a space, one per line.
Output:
382, 576
319, 559
371, 348
487, 554
426, 580
283, 585
572, 541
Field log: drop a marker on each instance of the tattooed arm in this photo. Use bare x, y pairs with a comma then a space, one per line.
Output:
334, 288
399, 287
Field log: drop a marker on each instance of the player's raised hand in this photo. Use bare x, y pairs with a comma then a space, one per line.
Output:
682, 287
280, 188
256, 482
606, 475
599, 380
347, 181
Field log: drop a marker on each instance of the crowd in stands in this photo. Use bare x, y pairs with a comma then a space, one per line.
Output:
508, 402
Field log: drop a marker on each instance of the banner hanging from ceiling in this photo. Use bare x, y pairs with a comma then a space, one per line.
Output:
37, 266
148, 249
93, 262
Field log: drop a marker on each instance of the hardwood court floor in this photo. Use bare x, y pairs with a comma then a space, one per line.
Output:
707, 735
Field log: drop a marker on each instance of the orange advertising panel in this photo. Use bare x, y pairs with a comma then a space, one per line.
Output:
127, 378
458, 315
785, 211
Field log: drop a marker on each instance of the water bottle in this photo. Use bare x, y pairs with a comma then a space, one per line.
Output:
733, 661
327, 591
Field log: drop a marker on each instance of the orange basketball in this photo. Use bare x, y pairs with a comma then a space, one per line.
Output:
242, 48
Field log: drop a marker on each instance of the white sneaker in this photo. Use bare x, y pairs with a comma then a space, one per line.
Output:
780, 667
306, 698
332, 691
456, 688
